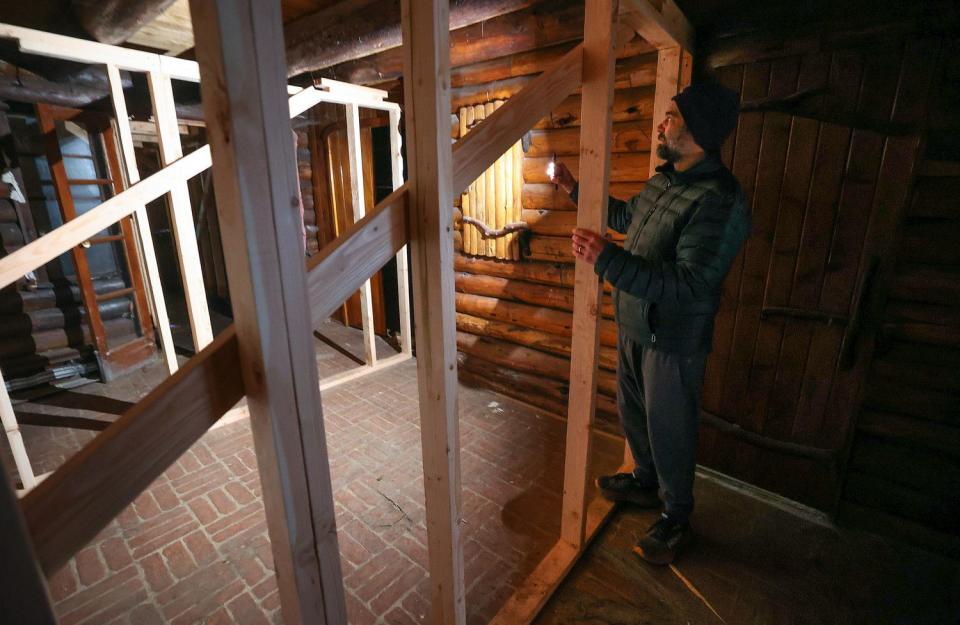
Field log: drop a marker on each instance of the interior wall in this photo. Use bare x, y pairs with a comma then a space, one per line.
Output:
838, 330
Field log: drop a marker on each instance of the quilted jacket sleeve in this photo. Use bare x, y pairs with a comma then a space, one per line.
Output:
705, 250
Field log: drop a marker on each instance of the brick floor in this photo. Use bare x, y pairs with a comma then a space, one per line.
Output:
193, 548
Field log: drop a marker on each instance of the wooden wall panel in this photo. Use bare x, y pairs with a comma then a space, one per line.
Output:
790, 346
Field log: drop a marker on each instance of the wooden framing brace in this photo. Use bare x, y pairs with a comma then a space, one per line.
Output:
181, 212
255, 177
426, 61
253, 168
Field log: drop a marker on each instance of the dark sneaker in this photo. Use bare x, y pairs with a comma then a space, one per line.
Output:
663, 540
625, 487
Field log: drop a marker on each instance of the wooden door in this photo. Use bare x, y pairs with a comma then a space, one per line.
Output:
81, 153
821, 152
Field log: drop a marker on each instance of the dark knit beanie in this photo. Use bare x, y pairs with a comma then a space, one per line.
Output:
710, 112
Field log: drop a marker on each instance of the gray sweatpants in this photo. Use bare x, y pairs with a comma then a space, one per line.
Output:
659, 402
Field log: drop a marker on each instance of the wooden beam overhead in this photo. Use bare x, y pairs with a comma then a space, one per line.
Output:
661, 22
115, 21
240, 51
427, 93
350, 29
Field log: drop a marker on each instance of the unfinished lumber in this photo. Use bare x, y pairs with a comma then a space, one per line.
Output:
243, 67
141, 222
181, 211
70, 507
15, 438
359, 209
662, 23
598, 61
674, 66
427, 76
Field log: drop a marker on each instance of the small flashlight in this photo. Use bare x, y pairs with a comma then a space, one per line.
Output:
551, 169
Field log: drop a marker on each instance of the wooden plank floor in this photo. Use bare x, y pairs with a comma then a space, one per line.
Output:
754, 564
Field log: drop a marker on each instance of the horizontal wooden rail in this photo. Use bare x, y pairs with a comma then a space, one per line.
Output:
70, 507
81, 497
483, 145
104, 215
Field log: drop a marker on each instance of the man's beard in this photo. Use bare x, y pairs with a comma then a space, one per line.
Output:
667, 153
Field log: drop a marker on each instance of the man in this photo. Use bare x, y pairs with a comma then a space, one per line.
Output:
683, 231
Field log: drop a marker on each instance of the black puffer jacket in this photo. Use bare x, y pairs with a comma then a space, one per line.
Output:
683, 231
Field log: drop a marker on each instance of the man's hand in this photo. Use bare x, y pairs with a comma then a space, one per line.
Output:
587, 245
563, 177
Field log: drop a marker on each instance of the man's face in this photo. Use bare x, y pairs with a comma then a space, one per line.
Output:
674, 137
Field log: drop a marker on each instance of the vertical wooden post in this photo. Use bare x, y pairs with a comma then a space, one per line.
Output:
24, 598
142, 222
354, 150
12, 429
597, 99
674, 68
403, 270
181, 212
426, 73
242, 63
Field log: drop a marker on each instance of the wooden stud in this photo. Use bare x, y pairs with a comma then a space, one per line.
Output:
359, 209
598, 62
181, 211
668, 78
403, 269
68, 509
240, 50
427, 78
142, 222
12, 429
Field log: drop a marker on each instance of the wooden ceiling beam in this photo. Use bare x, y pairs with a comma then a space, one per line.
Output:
350, 30
115, 21
661, 22
522, 31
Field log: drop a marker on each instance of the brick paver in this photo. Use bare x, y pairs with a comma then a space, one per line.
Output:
193, 548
